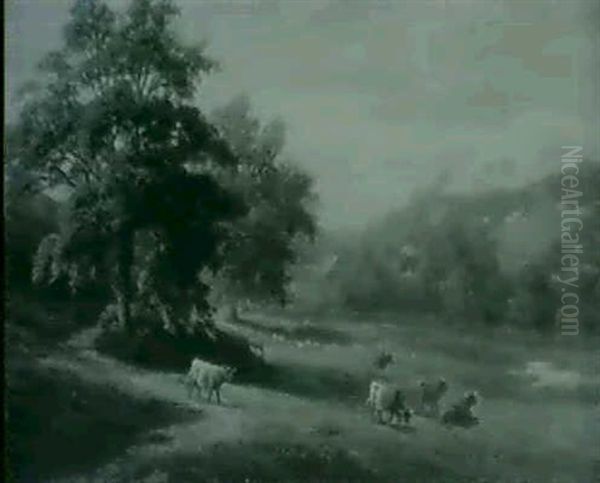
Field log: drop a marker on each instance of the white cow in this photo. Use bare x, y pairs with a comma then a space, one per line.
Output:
384, 397
208, 378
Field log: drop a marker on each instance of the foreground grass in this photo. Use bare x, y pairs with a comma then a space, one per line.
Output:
304, 419
60, 424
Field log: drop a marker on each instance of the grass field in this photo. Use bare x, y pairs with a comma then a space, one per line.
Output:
82, 416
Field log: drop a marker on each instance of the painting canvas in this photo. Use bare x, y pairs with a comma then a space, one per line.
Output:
302, 241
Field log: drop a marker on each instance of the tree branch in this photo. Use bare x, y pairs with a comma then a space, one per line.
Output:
65, 176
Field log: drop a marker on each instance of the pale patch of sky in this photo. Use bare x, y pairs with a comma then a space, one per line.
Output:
381, 96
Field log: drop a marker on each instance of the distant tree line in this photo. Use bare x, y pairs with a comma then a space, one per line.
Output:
445, 253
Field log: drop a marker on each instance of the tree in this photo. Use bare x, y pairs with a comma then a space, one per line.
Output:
114, 122
262, 245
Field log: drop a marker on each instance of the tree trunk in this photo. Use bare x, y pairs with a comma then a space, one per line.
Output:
123, 285
124, 310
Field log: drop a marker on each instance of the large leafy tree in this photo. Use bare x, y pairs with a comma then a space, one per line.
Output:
263, 244
113, 120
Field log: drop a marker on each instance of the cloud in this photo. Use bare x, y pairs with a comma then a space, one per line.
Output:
531, 44
382, 96
489, 97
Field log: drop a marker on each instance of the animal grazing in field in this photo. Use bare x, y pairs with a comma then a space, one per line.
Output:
208, 378
384, 397
431, 395
383, 359
461, 413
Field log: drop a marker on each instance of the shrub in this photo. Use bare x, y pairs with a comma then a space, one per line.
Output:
158, 348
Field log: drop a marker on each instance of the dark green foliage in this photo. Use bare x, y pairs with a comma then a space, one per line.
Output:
262, 245
53, 415
28, 218
159, 348
454, 254
114, 122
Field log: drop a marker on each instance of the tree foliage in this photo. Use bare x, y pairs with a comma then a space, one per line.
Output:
114, 121
262, 245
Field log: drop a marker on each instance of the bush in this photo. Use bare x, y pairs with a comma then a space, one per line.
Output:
29, 218
160, 349
48, 314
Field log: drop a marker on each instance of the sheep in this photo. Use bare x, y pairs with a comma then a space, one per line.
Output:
431, 394
208, 378
461, 413
385, 397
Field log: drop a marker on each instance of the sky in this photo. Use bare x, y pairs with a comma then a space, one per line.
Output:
381, 96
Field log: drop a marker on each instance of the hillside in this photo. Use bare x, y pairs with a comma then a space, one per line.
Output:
77, 415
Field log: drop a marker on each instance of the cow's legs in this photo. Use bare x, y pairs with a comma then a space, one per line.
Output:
191, 386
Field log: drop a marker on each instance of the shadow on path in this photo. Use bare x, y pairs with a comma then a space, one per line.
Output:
309, 382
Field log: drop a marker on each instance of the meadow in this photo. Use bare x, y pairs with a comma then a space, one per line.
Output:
84, 416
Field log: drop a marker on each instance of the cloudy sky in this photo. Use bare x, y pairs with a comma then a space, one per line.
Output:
381, 96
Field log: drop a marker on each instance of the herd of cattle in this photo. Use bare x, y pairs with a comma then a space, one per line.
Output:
384, 398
